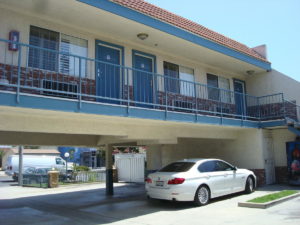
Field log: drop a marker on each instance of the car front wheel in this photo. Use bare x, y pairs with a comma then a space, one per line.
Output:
249, 185
202, 196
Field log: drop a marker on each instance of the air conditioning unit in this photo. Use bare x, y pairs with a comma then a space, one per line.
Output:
59, 89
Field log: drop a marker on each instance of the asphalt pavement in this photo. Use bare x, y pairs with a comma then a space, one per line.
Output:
87, 204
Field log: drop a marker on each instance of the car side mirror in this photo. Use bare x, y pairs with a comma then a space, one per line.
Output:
235, 168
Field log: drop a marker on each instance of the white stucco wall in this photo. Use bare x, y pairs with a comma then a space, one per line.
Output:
273, 82
245, 151
280, 137
12, 20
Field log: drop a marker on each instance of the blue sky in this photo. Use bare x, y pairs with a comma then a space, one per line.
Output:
275, 23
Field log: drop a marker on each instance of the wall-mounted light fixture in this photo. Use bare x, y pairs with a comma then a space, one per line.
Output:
142, 36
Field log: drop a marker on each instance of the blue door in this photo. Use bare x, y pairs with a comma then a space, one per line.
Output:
240, 102
109, 77
143, 80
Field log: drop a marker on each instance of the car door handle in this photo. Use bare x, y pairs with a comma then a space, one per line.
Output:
207, 176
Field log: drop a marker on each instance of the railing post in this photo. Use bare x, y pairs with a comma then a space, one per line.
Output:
258, 106
128, 90
284, 106
196, 102
220, 101
166, 97
298, 113
80, 84
242, 100
155, 90
19, 72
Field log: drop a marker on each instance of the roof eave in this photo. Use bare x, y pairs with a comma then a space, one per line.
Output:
173, 30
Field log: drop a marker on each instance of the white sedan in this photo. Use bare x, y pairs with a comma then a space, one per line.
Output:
198, 180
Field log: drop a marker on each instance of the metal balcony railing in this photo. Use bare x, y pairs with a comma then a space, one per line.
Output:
40, 71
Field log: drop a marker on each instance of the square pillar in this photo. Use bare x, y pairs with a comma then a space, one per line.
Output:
109, 170
20, 176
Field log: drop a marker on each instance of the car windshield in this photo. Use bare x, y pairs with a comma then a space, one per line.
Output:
42, 170
177, 167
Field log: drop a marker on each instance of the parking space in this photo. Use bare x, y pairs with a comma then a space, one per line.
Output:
87, 204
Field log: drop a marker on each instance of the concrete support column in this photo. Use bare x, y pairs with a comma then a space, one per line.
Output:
109, 170
154, 161
20, 177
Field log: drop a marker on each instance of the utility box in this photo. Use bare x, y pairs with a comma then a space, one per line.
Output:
53, 177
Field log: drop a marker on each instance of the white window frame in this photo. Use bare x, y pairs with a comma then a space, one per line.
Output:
58, 69
224, 93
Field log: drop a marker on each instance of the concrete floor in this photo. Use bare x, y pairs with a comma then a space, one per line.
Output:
88, 205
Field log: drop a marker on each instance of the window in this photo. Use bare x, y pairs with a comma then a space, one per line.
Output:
59, 161
222, 166
47, 60
74, 46
186, 75
218, 88
179, 79
172, 71
213, 91
178, 167
209, 166
225, 92
47, 39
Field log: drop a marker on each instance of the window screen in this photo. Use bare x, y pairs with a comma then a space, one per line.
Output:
41, 58
186, 76
180, 79
213, 91
171, 71
73, 46
224, 84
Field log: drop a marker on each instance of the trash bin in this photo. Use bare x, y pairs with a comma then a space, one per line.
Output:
53, 179
115, 175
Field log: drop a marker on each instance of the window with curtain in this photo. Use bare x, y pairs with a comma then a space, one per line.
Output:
171, 72
47, 60
74, 46
213, 85
178, 79
225, 94
186, 76
39, 58
217, 88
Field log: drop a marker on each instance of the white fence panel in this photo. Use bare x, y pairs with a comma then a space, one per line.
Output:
131, 167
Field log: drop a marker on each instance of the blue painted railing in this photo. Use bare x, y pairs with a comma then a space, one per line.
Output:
40, 71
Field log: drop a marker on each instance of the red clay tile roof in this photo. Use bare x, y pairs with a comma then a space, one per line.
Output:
171, 18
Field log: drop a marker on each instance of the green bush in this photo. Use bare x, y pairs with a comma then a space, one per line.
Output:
81, 168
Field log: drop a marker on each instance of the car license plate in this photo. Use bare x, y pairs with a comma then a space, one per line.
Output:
159, 183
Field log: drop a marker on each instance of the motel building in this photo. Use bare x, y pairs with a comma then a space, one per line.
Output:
111, 73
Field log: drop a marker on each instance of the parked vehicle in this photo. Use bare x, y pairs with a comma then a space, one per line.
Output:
56, 162
198, 180
29, 171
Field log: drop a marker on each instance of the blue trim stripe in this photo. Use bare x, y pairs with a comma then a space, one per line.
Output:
47, 103
170, 29
276, 123
294, 130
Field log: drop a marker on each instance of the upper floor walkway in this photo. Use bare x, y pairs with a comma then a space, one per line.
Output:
41, 78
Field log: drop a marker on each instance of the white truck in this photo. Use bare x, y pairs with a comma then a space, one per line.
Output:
55, 162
